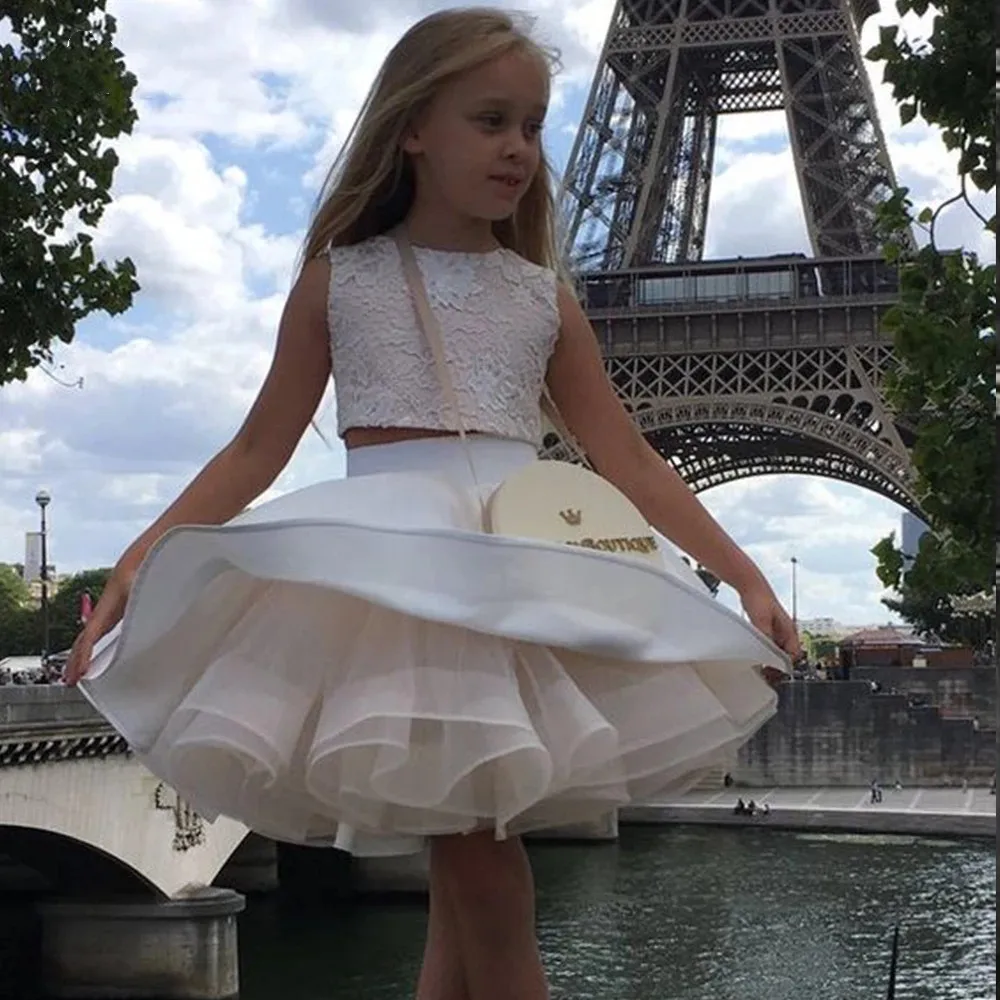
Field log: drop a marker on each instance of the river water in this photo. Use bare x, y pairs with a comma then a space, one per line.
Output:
684, 913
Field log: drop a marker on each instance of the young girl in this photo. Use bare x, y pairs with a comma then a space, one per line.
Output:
359, 662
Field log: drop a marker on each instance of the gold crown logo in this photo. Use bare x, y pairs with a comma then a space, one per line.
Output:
571, 517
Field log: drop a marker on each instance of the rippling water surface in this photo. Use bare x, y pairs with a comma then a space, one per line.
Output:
685, 914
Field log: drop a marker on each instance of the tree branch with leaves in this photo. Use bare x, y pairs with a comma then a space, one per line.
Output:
65, 94
943, 326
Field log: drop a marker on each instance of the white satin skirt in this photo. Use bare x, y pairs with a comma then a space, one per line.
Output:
358, 664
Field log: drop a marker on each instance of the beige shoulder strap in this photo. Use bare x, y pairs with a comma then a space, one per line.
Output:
432, 332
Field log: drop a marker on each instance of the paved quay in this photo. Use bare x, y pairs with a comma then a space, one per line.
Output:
949, 812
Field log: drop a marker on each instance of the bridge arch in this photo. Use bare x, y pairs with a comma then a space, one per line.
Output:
721, 440
72, 867
109, 813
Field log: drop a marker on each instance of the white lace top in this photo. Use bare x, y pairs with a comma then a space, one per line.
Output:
499, 321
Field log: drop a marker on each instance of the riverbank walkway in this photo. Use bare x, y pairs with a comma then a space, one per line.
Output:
952, 812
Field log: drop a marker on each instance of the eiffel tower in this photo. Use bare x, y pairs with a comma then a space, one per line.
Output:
740, 367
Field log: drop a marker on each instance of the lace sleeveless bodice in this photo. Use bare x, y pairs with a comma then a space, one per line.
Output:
499, 321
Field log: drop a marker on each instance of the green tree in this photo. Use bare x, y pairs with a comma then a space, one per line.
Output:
944, 324
14, 591
925, 595
819, 646
64, 609
19, 635
21, 623
64, 94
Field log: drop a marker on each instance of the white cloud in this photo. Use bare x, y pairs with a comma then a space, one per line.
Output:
755, 208
243, 106
203, 68
828, 527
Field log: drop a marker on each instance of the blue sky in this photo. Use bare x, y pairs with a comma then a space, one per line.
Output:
242, 107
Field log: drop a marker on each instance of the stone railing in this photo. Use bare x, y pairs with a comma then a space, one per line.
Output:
44, 723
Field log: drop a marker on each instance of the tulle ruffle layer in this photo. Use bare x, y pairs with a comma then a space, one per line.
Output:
359, 655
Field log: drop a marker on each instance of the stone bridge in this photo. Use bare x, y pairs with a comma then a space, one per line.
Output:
76, 807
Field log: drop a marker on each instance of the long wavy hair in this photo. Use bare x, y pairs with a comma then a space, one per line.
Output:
371, 186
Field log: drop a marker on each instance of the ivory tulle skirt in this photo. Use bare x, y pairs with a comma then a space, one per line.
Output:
357, 663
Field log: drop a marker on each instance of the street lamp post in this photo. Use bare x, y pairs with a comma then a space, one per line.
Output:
42, 498
795, 593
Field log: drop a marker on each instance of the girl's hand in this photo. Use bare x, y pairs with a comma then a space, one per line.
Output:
106, 614
766, 613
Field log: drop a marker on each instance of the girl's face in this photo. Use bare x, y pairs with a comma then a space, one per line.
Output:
478, 146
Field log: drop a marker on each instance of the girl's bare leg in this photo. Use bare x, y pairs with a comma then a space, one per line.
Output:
442, 974
491, 893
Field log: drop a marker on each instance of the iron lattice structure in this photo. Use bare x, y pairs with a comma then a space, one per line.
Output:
637, 186
757, 365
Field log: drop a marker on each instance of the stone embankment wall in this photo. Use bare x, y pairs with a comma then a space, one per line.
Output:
925, 726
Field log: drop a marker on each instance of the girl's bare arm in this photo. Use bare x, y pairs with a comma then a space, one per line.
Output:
261, 448
595, 415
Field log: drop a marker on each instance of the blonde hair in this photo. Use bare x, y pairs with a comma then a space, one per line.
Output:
371, 186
